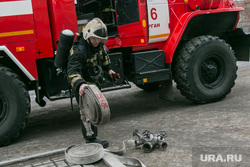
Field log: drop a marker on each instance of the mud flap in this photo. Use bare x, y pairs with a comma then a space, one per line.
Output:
240, 42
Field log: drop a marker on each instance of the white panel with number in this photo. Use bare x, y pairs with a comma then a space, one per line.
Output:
158, 20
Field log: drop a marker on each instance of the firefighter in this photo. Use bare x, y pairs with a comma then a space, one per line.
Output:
87, 58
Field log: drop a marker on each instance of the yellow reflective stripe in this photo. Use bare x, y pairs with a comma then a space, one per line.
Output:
107, 60
92, 59
15, 33
159, 36
92, 64
74, 80
71, 51
107, 57
105, 63
90, 83
74, 75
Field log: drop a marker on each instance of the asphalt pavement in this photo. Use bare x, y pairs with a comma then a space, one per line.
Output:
220, 126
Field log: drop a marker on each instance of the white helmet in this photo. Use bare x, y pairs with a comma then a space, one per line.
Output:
96, 29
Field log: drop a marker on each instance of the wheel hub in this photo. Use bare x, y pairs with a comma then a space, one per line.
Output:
211, 72
3, 107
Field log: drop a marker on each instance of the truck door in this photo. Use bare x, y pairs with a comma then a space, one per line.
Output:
158, 20
17, 21
132, 22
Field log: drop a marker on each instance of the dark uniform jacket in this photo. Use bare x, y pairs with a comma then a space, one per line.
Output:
84, 56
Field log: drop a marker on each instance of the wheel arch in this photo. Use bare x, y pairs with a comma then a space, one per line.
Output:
197, 23
214, 24
9, 60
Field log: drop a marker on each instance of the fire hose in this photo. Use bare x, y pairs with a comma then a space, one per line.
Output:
95, 105
90, 153
87, 154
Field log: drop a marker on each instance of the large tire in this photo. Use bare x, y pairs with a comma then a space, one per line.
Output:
14, 106
205, 69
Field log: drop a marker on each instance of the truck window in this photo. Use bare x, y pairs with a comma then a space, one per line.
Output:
127, 11
103, 9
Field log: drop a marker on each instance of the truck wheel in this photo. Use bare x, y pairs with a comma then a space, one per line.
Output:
14, 106
149, 86
205, 69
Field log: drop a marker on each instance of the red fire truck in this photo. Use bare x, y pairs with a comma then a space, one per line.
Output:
151, 42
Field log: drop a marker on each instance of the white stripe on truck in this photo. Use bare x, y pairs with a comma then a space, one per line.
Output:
13, 8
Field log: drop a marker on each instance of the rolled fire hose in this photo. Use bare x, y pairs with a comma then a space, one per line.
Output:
84, 154
87, 154
95, 105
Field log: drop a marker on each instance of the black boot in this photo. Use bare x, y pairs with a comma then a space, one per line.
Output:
92, 138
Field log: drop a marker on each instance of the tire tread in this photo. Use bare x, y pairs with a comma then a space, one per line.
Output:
17, 80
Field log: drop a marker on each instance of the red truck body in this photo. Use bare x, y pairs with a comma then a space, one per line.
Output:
148, 35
